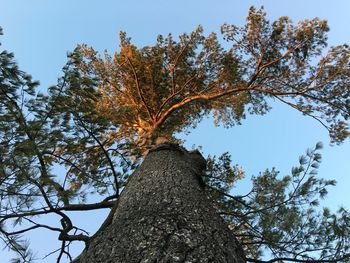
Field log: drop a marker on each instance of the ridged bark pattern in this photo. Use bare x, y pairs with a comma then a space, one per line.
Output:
164, 215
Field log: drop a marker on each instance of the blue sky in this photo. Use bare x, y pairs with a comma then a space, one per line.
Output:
41, 32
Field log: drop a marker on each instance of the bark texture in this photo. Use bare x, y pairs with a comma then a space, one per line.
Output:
164, 215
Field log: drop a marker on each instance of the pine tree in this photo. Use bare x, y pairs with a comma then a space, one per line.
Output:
108, 112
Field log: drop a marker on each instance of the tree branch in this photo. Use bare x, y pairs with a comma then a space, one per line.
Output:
70, 207
185, 101
138, 87
173, 95
105, 152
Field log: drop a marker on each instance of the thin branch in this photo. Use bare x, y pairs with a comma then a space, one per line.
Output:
260, 68
71, 207
187, 100
13, 244
105, 152
138, 87
173, 95
237, 199
51, 109
304, 112
173, 66
28, 229
114, 87
61, 251
67, 161
44, 173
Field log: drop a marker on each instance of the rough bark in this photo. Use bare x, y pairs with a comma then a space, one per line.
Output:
164, 215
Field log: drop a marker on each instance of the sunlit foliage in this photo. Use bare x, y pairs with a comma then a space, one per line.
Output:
85, 135
168, 87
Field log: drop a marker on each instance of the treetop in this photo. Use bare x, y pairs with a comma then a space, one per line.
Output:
162, 89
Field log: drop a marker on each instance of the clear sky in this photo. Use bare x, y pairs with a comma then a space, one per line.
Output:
41, 32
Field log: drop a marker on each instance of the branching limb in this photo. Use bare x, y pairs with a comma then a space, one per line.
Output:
71, 207
105, 152
138, 87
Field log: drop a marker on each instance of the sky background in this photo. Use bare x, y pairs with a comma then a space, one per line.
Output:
41, 32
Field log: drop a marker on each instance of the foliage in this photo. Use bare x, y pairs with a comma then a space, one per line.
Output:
165, 88
280, 216
85, 135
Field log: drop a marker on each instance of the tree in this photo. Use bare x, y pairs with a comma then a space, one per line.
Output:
107, 112
163, 215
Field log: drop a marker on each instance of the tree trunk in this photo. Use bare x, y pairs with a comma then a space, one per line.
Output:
164, 215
